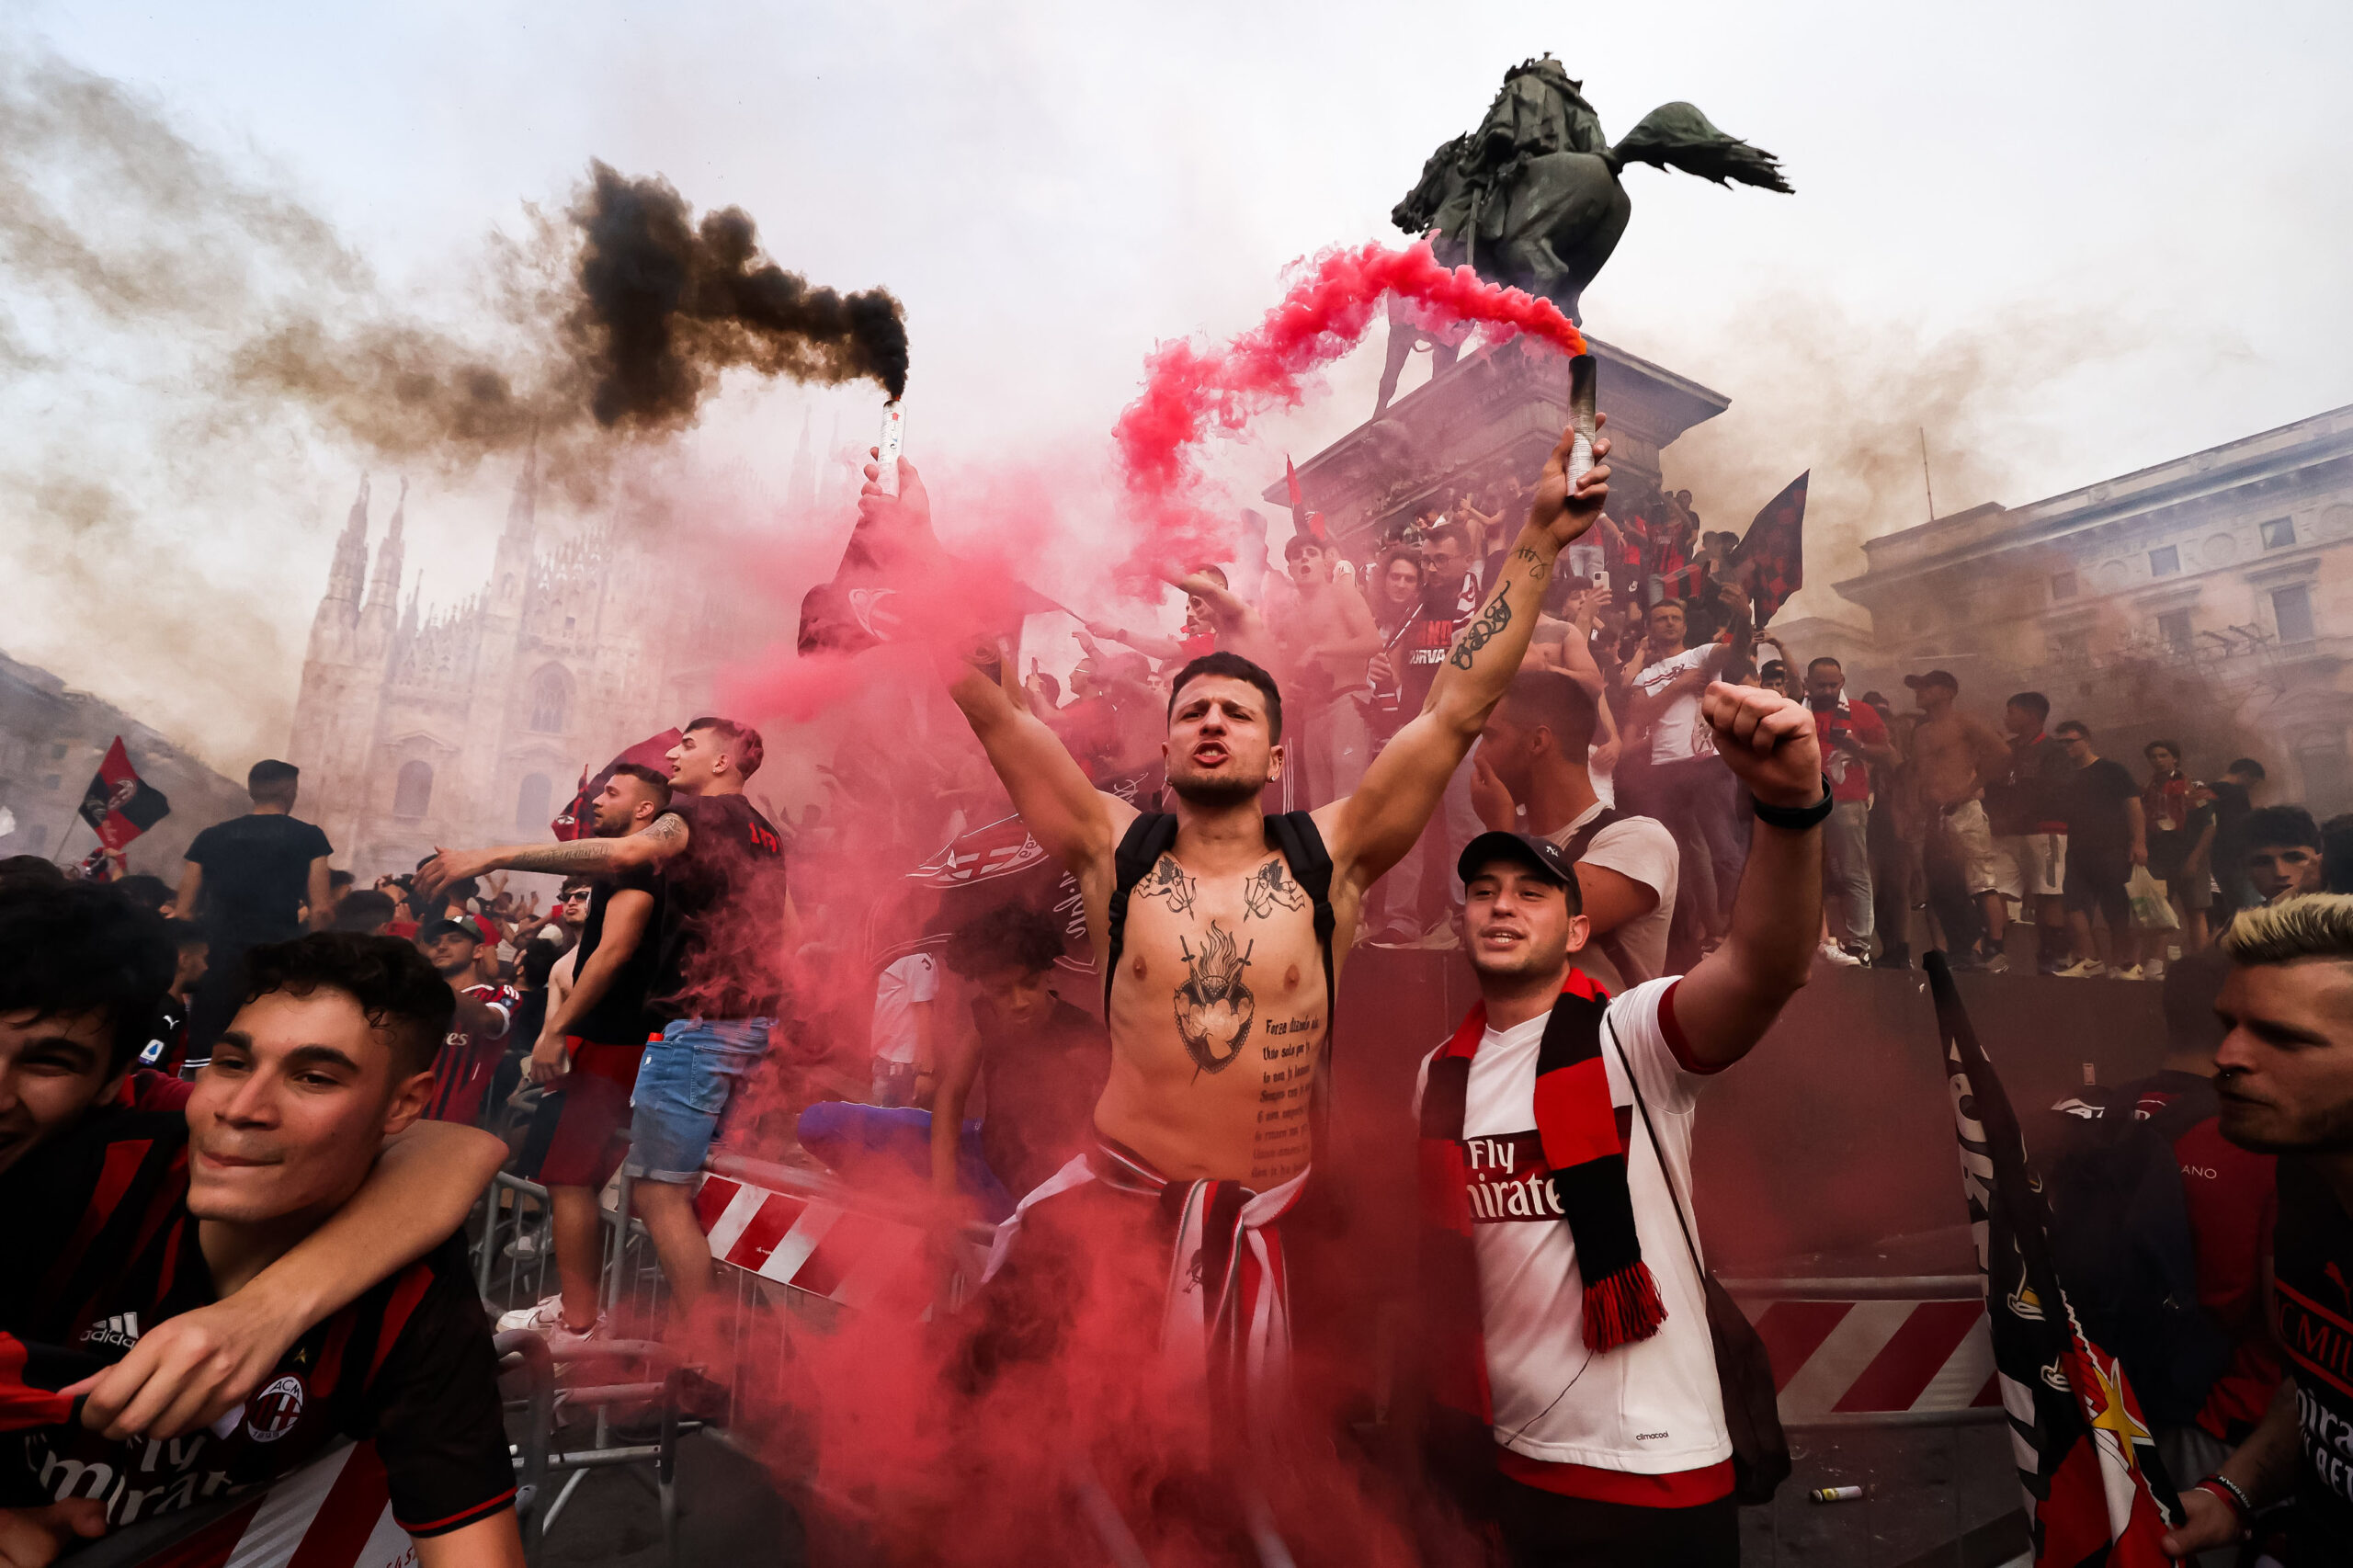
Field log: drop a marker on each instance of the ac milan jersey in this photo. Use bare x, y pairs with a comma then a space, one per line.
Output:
112, 1252
466, 1061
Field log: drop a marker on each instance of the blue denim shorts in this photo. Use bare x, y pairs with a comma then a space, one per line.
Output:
683, 1087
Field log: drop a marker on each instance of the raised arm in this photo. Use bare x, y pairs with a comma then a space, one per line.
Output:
1069, 818
185, 1371
1726, 1005
1371, 830
587, 857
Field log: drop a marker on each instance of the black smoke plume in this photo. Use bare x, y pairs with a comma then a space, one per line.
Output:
665, 304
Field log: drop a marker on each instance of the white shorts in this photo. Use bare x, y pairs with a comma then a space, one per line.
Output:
2029, 864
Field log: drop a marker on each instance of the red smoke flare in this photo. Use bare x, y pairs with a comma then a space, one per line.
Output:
1190, 389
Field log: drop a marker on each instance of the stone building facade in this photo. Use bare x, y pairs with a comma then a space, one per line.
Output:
2207, 600
469, 724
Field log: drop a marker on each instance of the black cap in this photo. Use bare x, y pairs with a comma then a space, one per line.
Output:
1934, 677
440, 929
1543, 857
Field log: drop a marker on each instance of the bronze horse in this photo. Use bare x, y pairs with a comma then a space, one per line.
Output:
1531, 198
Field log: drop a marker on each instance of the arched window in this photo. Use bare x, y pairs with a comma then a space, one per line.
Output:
531, 802
413, 791
551, 699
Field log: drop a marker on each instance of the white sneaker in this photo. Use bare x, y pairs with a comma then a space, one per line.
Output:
1833, 953
546, 1320
1999, 964
2132, 973
2084, 968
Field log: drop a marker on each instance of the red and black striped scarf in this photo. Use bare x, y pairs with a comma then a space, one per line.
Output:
1578, 1129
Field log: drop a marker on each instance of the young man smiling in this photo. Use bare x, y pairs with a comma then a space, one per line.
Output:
1572, 1372
151, 1216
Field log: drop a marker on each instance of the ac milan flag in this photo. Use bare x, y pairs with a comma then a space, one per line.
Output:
1775, 545
2096, 1492
120, 806
653, 752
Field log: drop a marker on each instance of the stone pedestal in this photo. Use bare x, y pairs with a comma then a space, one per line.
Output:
1492, 414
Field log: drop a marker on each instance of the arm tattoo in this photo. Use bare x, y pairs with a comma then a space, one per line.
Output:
1268, 890
1481, 632
589, 854
1169, 883
593, 856
1537, 567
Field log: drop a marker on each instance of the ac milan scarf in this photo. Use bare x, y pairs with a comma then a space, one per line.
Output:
1225, 1322
1578, 1129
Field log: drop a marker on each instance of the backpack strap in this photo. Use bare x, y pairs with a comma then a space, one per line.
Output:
1582, 840
1147, 839
1295, 836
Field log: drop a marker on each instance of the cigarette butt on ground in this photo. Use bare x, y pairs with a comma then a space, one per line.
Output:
1837, 1493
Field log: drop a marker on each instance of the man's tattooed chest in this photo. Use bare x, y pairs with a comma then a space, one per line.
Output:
1234, 944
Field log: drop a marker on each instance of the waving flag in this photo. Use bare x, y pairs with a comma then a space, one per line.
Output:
2096, 1491
1774, 546
120, 806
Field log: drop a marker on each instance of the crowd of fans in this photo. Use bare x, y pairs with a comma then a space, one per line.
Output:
616, 1025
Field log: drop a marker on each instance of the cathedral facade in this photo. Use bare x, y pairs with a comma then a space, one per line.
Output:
469, 724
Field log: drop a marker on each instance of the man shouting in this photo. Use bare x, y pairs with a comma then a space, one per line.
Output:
1218, 931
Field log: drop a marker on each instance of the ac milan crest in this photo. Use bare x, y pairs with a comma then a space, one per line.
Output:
276, 1411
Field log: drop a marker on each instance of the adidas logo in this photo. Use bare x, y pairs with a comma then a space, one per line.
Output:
120, 1331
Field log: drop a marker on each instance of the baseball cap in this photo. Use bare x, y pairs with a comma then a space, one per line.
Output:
1543, 857
440, 929
1934, 677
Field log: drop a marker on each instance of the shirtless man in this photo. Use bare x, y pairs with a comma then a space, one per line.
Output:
1218, 996
1953, 754
1327, 638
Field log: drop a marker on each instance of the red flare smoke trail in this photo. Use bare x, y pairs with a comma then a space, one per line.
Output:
1189, 389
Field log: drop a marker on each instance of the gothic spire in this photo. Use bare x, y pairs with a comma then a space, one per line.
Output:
386, 586
522, 511
349, 573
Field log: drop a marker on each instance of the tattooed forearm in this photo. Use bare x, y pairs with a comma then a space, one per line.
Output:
1169, 884
1481, 631
593, 856
1537, 567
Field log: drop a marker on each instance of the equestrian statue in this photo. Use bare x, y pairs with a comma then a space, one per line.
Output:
1531, 198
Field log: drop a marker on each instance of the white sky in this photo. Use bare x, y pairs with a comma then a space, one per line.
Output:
2072, 239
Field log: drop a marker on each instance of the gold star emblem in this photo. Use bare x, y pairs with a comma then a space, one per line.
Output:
2113, 1414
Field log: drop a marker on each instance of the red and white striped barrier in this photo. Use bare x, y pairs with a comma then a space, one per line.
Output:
811, 1244
1866, 1356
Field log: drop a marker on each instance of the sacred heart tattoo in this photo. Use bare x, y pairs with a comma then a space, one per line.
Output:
1213, 1007
1166, 882
1268, 890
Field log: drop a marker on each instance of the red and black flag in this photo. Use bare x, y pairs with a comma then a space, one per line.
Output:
653, 752
2096, 1492
1775, 547
1304, 523
120, 806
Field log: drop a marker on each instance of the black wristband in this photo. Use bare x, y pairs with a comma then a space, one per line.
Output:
1797, 819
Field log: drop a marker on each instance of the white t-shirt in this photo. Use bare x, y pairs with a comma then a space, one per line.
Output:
1653, 1407
1678, 733
913, 979
1643, 849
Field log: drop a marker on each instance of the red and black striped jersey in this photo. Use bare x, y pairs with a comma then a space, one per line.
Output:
114, 1252
467, 1061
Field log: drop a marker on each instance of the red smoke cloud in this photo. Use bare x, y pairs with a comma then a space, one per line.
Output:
1190, 389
